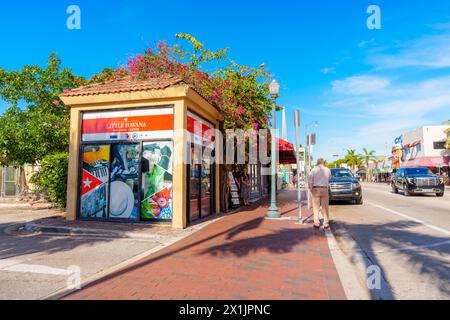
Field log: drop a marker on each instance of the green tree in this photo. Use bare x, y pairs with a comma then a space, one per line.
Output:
368, 156
41, 126
353, 159
37, 123
241, 92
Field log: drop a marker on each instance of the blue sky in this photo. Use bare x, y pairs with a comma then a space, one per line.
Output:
365, 87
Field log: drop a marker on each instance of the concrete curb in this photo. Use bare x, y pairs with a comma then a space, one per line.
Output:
355, 266
75, 231
354, 286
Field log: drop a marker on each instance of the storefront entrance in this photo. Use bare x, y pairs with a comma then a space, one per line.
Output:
200, 171
201, 187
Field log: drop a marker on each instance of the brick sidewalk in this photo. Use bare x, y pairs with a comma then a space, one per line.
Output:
242, 256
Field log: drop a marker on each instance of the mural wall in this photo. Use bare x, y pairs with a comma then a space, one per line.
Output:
95, 182
157, 180
125, 166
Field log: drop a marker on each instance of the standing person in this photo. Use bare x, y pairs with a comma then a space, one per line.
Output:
245, 187
319, 181
237, 179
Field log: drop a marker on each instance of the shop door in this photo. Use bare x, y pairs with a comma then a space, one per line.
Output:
124, 181
206, 188
95, 182
201, 185
157, 181
194, 173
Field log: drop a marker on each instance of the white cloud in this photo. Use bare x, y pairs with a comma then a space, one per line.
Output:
365, 43
390, 110
392, 105
360, 85
431, 52
328, 70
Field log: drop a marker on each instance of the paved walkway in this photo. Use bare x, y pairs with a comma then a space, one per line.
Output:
241, 256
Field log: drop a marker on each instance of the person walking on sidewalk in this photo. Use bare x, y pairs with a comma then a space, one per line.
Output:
319, 181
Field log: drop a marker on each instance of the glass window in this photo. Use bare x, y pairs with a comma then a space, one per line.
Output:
194, 183
439, 145
157, 181
125, 167
206, 188
413, 171
95, 182
341, 173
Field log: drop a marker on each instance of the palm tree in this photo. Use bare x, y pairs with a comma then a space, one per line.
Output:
368, 157
353, 159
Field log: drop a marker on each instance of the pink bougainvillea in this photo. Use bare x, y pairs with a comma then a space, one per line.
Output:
241, 92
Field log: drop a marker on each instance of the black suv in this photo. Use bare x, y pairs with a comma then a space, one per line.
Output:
417, 181
345, 186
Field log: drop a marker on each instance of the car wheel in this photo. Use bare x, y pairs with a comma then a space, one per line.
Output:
394, 189
439, 195
406, 192
359, 201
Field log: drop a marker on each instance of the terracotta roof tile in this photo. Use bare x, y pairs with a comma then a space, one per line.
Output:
123, 85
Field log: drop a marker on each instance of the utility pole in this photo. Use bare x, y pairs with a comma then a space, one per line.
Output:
297, 148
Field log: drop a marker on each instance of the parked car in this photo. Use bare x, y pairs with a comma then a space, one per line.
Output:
344, 186
417, 181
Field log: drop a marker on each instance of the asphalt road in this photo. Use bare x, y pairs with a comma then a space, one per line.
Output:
408, 238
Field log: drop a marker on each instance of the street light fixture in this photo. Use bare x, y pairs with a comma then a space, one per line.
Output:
274, 213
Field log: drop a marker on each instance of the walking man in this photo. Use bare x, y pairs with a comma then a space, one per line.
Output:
318, 183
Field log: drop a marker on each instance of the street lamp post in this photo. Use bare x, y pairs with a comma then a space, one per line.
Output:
273, 212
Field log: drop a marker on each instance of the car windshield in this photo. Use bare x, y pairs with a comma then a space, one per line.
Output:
341, 173
412, 171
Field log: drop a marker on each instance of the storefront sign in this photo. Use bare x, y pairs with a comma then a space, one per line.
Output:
128, 125
201, 130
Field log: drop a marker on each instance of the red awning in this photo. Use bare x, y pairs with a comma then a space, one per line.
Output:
286, 151
428, 162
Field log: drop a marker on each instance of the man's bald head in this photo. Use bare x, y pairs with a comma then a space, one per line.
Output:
320, 161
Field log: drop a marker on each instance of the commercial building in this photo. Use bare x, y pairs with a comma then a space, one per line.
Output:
423, 147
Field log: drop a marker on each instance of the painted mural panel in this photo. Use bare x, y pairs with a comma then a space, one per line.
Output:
95, 182
157, 181
125, 167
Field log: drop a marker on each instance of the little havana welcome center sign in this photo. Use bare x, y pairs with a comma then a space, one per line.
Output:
139, 124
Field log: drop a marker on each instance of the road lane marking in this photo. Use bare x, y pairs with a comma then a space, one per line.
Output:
16, 266
445, 231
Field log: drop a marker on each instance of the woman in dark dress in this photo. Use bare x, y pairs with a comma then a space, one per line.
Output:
245, 187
